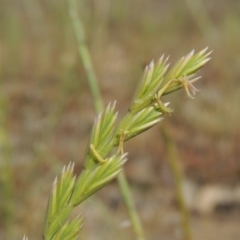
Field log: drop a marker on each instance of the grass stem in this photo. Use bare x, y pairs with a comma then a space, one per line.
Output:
6, 171
127, 196
85, 55
178, 182
202, 19
98, 103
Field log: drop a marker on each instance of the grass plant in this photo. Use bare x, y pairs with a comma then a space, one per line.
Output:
105, 156
98, 103
48, 113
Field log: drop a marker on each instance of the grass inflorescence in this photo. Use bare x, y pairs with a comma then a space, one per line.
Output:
105, 156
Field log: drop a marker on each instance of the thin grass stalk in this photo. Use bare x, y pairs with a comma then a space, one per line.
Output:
128, 200
85, 55
35, 16
99, 106
202, 19
6, 171
101, 13
177, 175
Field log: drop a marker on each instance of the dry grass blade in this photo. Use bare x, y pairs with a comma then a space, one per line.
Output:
25, 237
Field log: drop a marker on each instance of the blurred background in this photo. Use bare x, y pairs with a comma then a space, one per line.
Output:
46, 113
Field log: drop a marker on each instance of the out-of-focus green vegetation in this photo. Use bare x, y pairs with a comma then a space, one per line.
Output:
47, 111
